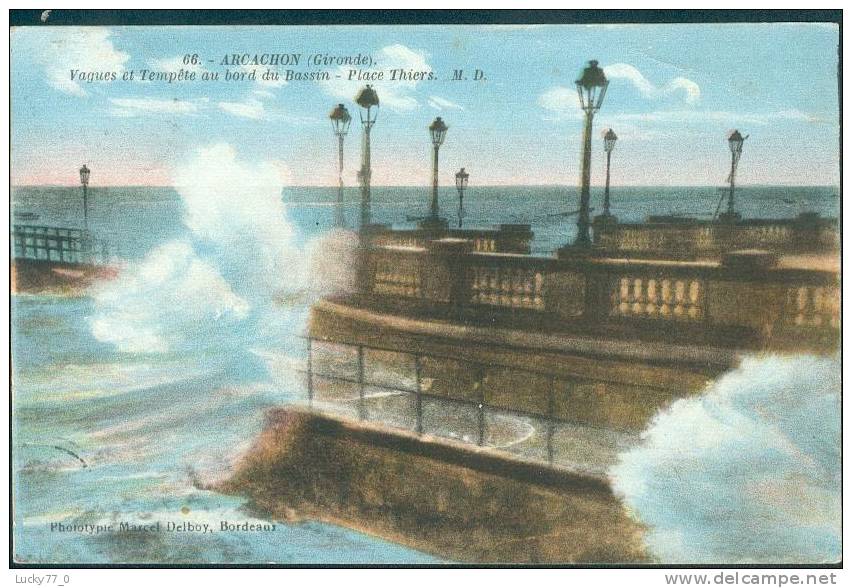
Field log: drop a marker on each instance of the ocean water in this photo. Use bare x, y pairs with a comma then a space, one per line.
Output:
124, 400
135, 219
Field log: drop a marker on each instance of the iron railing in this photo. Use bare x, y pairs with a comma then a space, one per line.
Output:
57, 244
556, 431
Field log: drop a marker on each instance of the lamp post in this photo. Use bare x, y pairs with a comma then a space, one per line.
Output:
591, 88
340, 120
368, 100
735, 142
438, 131
84, 180
461, 183
609, 138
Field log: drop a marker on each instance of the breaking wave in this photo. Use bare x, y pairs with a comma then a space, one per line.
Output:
749, 472
215, 287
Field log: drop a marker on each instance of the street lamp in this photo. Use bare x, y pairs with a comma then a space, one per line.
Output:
735, 142
438, 131
368, 100
591, 88
609, 138
461, 183
84, 180
340, 120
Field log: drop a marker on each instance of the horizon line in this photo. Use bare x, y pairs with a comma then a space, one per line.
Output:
450, 186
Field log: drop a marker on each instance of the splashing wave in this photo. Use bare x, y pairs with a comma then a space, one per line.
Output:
749, 472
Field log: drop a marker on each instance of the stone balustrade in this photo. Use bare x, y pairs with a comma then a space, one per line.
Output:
739, 300
507, 238
688, 238
506, 286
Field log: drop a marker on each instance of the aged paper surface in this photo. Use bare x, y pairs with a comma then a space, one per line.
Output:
424, 293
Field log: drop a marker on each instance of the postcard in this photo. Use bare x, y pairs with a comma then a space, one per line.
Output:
339, 289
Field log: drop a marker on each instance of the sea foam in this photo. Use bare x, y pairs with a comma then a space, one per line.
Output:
748, 472
214, 287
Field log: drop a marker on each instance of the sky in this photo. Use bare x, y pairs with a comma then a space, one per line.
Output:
674, 93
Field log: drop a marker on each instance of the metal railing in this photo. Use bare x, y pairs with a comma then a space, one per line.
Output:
58, 244
521, 411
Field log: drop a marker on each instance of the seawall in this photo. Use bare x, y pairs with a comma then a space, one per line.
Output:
601, 382
41, 276
456, 501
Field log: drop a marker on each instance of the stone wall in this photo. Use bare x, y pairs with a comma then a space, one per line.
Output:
34, 276
593, 382
460, 503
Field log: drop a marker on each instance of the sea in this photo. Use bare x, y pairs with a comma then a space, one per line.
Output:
128, 402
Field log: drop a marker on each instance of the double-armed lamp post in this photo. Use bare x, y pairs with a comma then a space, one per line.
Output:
368, 100
461, 184
340, 120
84, 180
591, 88
735, 142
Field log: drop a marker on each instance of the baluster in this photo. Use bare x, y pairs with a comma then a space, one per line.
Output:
527, 296
623, 305
818, 306
505, 287
680, 291
694, 299
474, 285
651, 308
801, 305
666, 294
538, 301
637, 296
495, 285
516, 279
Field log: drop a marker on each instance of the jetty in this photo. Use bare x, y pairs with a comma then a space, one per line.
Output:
46, 259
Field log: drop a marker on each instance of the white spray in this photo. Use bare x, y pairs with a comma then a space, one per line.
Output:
748, 472
239, 255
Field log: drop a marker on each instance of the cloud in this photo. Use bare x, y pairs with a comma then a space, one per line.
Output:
86, 49
691, 91
562, 100
734, 118
394, 94
564, 103
137, 106
443, 104
747, 472
268, 83
249, 108
252, 107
